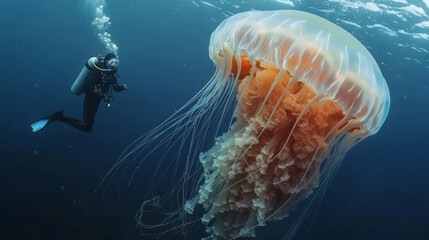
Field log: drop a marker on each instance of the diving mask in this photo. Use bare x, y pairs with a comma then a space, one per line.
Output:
113, 63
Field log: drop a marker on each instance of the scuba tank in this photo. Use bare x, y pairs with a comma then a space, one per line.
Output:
89, 73
85, 74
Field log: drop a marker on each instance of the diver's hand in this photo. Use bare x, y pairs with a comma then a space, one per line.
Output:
125, 87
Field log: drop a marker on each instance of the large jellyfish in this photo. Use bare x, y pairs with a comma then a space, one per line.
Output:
303, 92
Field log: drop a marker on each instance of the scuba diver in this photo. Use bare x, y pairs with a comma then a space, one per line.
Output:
97, 80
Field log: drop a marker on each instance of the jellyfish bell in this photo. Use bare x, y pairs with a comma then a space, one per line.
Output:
304, 92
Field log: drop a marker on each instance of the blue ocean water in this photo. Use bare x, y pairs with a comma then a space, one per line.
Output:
49, 178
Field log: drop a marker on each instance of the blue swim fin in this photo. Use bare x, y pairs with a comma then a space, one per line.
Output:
43, 122
39, 124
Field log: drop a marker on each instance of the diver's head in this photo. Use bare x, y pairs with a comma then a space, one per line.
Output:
111, 60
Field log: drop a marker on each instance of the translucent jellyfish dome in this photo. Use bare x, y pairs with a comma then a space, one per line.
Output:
314, 51
303, 92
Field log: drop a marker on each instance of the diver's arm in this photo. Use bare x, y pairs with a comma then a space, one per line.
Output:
118, 88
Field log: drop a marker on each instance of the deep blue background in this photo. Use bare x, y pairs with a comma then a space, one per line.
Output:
48, 179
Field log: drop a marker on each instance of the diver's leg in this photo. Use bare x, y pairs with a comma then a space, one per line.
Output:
90, 108
92, 101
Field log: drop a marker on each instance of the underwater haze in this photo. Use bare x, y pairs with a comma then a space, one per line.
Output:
54, 183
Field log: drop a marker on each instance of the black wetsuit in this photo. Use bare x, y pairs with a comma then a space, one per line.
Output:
99, 87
